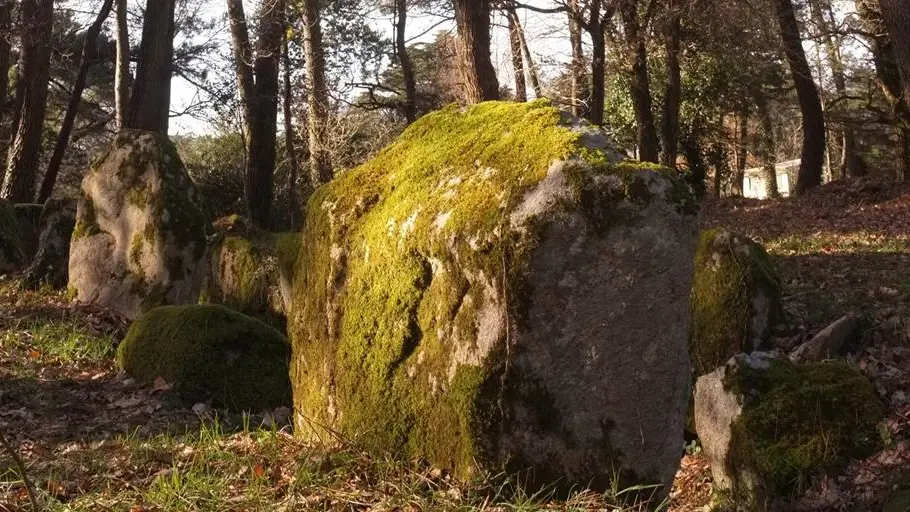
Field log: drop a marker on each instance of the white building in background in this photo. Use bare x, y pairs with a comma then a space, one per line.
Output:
755, 183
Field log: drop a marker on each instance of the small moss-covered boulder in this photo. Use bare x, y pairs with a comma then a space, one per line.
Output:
12, 249
210, 353
497, 291
735, 299
51, 261
767, 424
243, 273
29, 217
140, 228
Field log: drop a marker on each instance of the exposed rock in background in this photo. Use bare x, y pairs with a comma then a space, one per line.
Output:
735, 299
140, 228
12, 249
210, 353
494, 291
830, 341
767, 424
29, 217
51, 261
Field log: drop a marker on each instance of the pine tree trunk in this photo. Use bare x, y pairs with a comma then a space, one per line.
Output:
6, 7
290, 146
526, 51
767, 146
404, 60
318, 95
672, 98
742, 120
86, 59
813, 122
521, 89
580, 92
640, 88
34, 74
473, 20
151, 95
598, 74
896, 15
122, 69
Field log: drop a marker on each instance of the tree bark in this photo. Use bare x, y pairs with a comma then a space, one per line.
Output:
6, 8
34, 74
530, 66
896, 15
595, 28
479, 77
640, 87
670, 128
404, 60
151, 95
742, 120
290, 146
521, 89
813, 122
122, 70
580, 86
86, 59
318, 95
851, 162
767, 145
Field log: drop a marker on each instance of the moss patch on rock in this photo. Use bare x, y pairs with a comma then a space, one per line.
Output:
799, 420
210, 353
735, 299
400, 261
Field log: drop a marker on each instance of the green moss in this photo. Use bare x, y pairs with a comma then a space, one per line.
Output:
396, 258
722, 297
898, 502
86, 222
210, 353
288, 247
799, 420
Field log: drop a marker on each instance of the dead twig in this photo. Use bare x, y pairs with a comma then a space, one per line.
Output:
22, 474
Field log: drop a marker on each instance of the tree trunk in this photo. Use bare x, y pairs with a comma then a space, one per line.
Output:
742, 120
407, 70
122, 70
86, 59
640, 88
813, 122
473, 20
290, 146
851, 162
318, 95
767, 146
151, 95
580, 86
670, 128
526, 51
598, 69
37, 22
903, 165
6, 8
896, 15
521, 89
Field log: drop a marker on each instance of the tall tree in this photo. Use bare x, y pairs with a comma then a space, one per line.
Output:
318, 94
521, 88
473, 20
896, 15
258, 83
404, 60
86, 58
6, 8
851, 161
673, 96
530, 67
579, 87
813, 121
767, 144
122, 69
34, 74
290, 143
635, 27
150, 98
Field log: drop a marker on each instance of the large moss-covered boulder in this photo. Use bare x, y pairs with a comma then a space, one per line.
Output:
51, 261
495, 291
767, 424
12, 249
735, 299
210, 353
140, 228
242, 272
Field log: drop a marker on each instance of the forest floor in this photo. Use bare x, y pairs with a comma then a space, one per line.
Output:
91, 439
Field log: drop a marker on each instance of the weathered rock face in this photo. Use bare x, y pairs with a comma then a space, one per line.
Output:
51, 260
243, 273
29, 217
140, 228
210, 353
494, 290
766, 424
735, 299
12, 249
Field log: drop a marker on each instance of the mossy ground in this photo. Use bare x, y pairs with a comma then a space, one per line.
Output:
799, 420
210, 353
405, 250
722, 309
